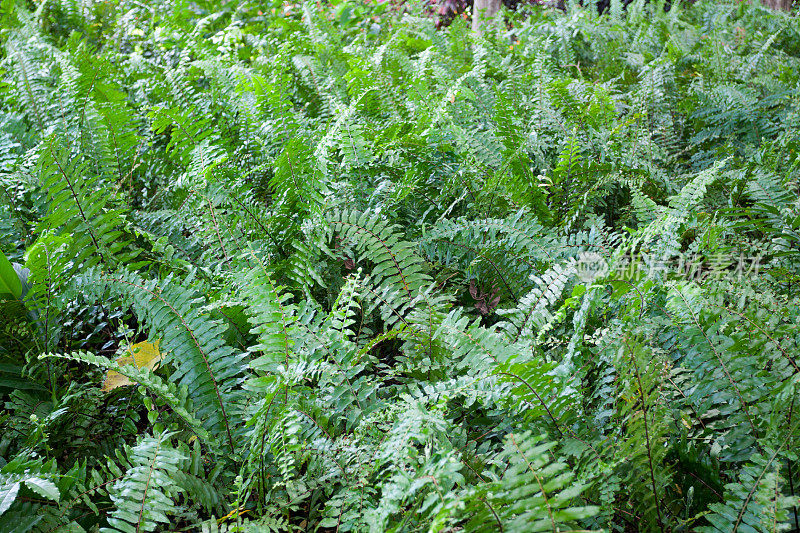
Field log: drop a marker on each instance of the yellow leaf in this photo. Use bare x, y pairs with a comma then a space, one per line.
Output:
141, 355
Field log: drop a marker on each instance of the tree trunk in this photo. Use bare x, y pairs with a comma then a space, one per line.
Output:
483, 11
785, 5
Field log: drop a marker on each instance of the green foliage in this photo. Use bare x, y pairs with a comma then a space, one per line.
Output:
534, 492
143, 496
401, 279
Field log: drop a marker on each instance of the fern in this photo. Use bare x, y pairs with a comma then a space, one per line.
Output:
402, 277
167, 391
753, 503
203, 363
534, 493
78, 209
143, 496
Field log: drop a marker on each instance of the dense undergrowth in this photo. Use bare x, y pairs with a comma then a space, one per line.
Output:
390, 278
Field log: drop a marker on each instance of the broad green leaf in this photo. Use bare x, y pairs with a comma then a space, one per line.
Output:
43, 488
8, 494
9, 280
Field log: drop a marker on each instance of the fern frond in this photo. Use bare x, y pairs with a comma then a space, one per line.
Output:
167, 391
144, 495
754, 502
78, 207
395, 262
535, 492
193, 344
272, 316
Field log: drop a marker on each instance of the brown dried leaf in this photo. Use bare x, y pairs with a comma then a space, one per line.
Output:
141, 355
